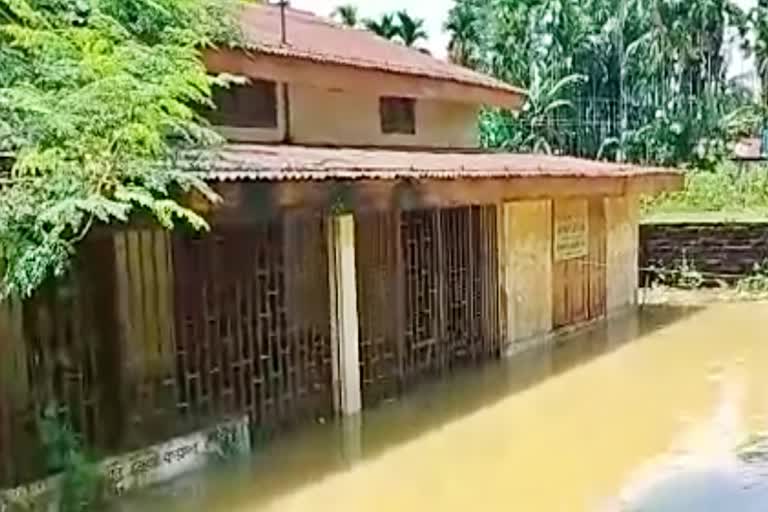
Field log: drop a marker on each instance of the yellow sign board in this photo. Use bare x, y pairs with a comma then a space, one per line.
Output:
571, 237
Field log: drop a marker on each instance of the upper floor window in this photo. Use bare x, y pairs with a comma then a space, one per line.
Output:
398, 115
252, 105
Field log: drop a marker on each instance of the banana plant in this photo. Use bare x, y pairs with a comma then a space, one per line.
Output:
537, 128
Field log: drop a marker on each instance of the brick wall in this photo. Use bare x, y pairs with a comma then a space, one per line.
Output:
730, 249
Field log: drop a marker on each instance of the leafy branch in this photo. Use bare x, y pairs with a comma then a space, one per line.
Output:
97, 98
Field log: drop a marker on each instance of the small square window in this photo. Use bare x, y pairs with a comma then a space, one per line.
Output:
398, 115
252, 105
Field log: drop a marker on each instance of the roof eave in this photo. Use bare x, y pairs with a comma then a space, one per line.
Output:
261, 63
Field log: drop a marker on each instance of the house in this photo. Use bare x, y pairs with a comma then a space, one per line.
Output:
365, 242
749, 153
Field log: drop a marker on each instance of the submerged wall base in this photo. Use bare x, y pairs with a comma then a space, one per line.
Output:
524, 345
153, 465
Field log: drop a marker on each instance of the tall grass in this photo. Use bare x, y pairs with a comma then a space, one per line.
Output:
728, 189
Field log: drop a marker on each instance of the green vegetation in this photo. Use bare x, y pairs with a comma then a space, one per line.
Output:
728, 191
684, 276
397, 26
629, 79
347, 15
80, 478
385, 26
97, 100
410, 30
757, 282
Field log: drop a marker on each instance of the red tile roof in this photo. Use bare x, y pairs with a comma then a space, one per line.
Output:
255, 162
314, 38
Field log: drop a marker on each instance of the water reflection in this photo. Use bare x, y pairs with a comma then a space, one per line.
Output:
710, 472
568, 426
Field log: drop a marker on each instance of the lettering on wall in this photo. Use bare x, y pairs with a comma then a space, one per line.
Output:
148, 466
571, 234
165, 461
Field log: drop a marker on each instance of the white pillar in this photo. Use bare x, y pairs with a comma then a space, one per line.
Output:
344, 321
622, 215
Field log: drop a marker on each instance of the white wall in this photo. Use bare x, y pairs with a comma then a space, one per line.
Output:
341, 118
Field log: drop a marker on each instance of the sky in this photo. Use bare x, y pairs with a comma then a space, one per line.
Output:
434, 12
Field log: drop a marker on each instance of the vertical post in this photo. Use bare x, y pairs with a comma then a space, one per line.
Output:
344, 319
622, 221
502, 246
284, 86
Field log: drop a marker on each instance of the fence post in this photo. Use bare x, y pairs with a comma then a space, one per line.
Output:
344, 318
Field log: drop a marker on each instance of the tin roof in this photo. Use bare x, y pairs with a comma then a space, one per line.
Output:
261, 162
318, 39
748, 149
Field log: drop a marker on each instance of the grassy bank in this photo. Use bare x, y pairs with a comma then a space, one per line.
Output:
729, 193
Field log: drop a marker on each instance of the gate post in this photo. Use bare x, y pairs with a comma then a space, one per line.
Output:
344, 319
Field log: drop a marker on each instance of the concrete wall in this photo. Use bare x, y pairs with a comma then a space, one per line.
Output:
622, 217
526, 269
728, 249
325, 117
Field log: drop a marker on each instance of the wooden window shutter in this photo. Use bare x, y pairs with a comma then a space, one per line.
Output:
252, 105
398, 115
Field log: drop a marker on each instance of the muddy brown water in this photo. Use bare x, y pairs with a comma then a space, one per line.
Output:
645, 413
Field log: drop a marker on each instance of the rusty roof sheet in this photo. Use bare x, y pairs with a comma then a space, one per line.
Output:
314, 38
257, 162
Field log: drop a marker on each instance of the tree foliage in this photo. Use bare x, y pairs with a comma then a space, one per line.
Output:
385, 26
97, 97
409, 29
760, 23
464, 25
397, 26
347, 14
655, 84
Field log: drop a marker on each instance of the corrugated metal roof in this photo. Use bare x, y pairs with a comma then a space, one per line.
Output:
257, 162
748, 149
314, 38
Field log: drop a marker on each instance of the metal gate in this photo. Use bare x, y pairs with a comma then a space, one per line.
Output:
153, 336
252, 314
427, 294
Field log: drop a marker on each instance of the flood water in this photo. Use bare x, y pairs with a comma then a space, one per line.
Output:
647, 413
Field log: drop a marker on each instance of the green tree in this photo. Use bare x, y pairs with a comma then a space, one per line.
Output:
98, 98
760, 23
347, 14
384, 27
647, 63
465, 32
409, 29
532, 130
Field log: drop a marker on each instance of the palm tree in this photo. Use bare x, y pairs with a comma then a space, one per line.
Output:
461, 24
347, 14
384, 26
411, 30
